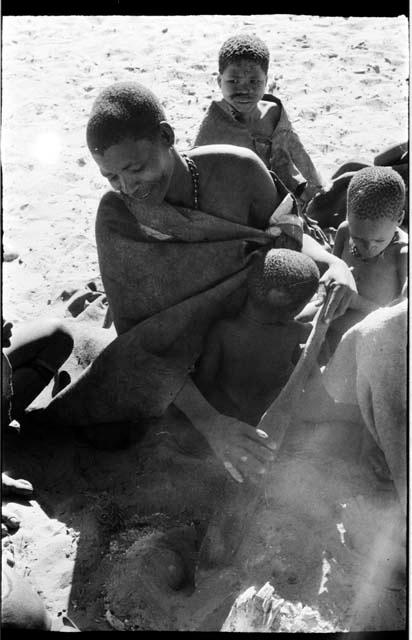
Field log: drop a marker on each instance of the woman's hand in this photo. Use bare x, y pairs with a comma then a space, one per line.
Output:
243, 450
339, 279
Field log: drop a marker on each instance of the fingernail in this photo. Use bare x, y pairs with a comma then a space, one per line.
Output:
261, 433
273, 446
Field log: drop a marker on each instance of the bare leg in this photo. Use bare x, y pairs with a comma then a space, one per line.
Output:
37, 350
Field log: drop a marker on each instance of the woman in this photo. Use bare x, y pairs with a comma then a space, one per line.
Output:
174, 242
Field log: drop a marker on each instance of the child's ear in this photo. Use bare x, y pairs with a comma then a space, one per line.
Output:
401, 217
219, 81
167, 135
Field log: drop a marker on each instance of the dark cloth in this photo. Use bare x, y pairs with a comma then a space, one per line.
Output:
168, 272
282, 152
328, 209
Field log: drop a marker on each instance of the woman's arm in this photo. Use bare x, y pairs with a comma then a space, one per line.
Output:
242, 449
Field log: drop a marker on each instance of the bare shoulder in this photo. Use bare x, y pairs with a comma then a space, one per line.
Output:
223, 155
231, 165
399, 247
343, 229
403, 240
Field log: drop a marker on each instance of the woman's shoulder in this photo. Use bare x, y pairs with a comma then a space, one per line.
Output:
223, 154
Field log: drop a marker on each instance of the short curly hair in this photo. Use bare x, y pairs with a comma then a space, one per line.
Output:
123, 110
291, 273
244, 46
376, 192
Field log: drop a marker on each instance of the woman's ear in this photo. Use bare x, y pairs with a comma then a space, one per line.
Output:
219, 81
167, 135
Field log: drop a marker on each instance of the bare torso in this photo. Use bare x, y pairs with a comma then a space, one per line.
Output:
378, 279
254, 363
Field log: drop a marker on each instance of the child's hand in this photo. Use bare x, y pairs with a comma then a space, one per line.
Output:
243, 450
339, 278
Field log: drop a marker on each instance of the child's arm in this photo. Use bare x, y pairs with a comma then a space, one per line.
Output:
342, 235
337, 276
403, 269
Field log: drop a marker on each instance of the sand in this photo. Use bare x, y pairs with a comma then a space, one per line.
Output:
95, 513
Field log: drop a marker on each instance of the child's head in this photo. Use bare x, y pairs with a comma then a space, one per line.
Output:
376, 198
282, 279
243, 69
130, 140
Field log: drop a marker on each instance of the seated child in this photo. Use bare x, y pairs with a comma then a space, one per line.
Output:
30, 359
33, 352
248, 117
372, 244
249, 358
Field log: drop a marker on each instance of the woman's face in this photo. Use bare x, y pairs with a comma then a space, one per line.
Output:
141, 169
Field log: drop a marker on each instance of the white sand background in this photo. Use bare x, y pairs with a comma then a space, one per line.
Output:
342, 81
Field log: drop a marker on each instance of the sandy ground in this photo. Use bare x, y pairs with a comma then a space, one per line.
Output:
344, 84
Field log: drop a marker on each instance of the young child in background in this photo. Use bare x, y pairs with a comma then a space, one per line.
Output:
372, 244
248, 117
248, 359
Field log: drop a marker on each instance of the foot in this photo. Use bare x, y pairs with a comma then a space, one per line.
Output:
20, 487
9, 522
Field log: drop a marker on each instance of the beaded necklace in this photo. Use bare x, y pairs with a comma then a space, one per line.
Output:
195, 178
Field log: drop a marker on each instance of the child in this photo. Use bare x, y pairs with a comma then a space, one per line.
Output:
248, 117
33, 353
249, 358
30, 359
372, 244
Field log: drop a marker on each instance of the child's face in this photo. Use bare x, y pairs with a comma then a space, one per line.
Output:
140, 168
243, 84
371, 237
